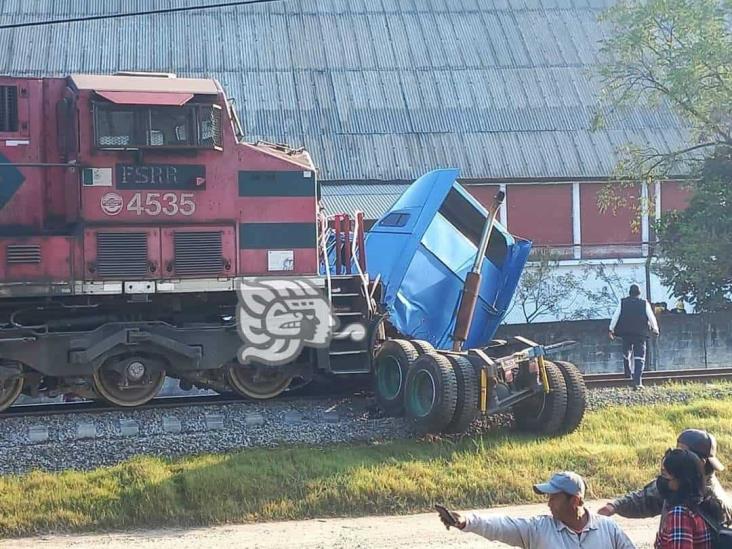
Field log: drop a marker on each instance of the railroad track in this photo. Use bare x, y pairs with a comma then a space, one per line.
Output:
591, 380
163, 402
659, 377
93, 406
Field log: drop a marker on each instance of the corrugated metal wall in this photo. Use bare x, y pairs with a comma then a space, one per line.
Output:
375, 89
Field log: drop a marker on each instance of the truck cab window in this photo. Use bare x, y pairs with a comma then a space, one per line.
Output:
465, 218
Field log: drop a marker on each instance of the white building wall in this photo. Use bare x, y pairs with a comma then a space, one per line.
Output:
622, 273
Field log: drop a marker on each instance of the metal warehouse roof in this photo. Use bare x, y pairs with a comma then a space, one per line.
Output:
375, 89
372, 199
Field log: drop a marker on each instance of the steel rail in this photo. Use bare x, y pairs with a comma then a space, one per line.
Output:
601, 380
659, 377
97, 407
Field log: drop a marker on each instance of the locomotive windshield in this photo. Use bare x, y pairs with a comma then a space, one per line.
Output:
132, 127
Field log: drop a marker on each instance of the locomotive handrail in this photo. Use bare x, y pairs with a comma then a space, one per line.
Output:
358, 239
324, 230
344, 250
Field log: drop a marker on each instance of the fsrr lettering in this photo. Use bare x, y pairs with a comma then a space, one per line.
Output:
152, 175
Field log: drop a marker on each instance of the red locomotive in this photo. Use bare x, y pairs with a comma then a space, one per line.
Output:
129, 208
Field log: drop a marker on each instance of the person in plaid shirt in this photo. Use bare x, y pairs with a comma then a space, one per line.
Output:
681, 485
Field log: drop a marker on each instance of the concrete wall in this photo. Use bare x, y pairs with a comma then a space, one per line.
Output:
686, 341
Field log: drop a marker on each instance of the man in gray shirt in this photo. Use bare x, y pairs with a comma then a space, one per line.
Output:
570, 525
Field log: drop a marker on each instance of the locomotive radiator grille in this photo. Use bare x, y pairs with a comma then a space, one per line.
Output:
122, 255
23, 253
198, 253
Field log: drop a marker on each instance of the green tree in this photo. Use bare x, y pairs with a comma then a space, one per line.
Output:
674, 54
695, 244
544, 290
677, 55
604, 297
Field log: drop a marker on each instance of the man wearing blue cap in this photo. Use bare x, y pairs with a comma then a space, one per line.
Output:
570, 525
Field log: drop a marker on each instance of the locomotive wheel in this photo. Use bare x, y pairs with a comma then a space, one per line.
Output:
431, 393
468, 395
10, 390
544, 413
421, 346
258, 383
576, 396
391, 364
136, 384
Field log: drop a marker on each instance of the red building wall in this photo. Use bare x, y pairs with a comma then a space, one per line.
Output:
541, 213
485, 194
674, 197
544, 214
610, 233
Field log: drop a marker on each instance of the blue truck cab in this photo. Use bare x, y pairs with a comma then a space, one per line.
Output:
423, 248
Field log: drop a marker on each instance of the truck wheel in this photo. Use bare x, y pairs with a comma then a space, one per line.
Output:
391, 364
544, 413
422, 346
468, 394
431, 393
576, 396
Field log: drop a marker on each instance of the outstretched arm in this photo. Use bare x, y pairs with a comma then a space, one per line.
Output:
643, 503
516, 532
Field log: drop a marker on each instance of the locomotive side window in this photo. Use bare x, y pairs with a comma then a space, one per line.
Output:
115, 127
189, 126
170, 126
8, 108
209, 126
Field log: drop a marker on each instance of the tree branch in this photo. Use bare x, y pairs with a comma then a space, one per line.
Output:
680, 152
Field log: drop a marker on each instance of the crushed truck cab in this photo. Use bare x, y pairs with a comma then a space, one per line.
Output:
439, 371
423, 248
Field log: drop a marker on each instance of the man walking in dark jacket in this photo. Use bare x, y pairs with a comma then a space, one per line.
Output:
632, 320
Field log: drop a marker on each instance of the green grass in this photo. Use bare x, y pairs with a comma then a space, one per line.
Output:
617, 449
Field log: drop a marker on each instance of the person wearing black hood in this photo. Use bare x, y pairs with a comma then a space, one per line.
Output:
648, 502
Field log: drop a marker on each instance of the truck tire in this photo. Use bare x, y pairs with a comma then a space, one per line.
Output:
391, 364
422, 346
544, 414
431, 393
576, 396
468, 395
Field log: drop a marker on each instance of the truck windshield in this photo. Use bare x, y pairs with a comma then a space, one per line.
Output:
467, 220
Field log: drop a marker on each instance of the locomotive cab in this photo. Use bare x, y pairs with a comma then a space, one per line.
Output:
130, 209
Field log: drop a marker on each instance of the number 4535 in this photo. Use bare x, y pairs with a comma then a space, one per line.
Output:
162, 203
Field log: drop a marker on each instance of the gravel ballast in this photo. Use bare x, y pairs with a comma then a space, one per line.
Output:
88, 440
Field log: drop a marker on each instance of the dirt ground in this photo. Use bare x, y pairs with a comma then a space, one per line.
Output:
422, 531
